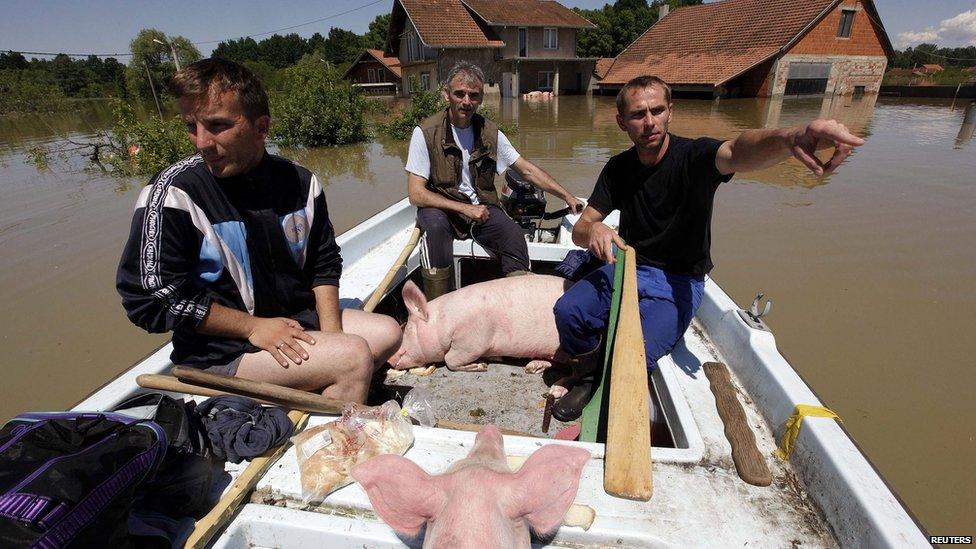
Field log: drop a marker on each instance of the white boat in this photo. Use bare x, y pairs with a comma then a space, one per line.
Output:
827, 494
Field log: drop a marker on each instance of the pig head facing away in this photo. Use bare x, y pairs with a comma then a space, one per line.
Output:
505, 317
478, 502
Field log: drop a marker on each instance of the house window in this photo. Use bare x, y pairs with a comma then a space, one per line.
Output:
545, 80
523, 42
414, 47
550, 38
372, 75
425, 80
846, 22
807, 78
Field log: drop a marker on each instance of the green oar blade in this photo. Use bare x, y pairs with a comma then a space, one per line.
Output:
595, 413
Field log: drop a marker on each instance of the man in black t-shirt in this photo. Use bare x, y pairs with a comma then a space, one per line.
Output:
664, 187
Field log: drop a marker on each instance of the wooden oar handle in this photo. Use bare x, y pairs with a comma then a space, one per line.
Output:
293, 398
627, 465
401, 261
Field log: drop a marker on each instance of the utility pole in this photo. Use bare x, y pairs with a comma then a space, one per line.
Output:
172, 48
153, 88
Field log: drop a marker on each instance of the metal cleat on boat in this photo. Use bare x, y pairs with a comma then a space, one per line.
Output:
753, 317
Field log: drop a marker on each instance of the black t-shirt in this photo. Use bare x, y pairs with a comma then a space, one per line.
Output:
665, 209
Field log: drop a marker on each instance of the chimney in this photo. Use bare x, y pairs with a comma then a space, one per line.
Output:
663, 10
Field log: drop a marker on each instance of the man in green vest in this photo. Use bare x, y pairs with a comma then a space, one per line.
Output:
451, 166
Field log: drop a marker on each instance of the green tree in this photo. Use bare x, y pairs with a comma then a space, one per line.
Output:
316, 44
241, 50
342, 46
375, 37
618, 25
26, 91
282, 51
423, 103
317, 107
145, 147
148, 53
13, 60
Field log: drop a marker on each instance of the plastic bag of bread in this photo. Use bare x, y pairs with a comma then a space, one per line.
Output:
327, 452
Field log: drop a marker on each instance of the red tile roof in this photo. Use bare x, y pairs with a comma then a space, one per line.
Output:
527, 13
448, 24
603, 64
391, 62
713, 43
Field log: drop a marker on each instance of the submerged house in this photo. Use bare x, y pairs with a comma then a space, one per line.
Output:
522, 45
749, 48
375, 73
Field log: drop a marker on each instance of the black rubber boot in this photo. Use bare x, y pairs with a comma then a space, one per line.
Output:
585, 368
570, 406
437, 281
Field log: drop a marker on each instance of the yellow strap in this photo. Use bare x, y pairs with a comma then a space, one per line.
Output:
793, 424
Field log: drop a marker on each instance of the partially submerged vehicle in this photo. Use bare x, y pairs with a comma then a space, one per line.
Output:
826, 493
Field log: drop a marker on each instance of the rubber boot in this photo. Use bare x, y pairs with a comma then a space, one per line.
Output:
585, 368
437, 281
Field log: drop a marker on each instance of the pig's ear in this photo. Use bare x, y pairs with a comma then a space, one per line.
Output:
415, 300
402, 494
545, 487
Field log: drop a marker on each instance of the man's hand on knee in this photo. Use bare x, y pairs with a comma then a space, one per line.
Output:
477, 212
282, 338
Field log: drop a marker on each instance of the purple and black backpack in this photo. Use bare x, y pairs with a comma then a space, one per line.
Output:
72, 479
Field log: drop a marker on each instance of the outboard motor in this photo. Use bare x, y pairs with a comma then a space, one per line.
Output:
524, 203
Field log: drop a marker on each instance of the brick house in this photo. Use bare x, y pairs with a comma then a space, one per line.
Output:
749, 48
522, 45
375, 73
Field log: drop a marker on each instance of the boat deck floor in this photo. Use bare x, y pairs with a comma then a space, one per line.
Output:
505, 395
699, 500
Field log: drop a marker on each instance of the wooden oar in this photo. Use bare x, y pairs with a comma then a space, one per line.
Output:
749, 462
209, 525
214, 520
301, 400
594, 417
401, 262
627, 466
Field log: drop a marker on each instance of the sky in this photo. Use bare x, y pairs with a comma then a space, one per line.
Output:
107, 26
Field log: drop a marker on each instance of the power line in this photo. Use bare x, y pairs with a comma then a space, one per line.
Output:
312, 22
70, 54
319, 20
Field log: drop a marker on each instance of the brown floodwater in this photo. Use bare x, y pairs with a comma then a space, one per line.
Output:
871, 269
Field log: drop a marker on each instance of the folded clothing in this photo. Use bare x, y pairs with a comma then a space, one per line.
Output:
239, 428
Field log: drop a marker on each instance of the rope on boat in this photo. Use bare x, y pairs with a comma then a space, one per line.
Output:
793, 424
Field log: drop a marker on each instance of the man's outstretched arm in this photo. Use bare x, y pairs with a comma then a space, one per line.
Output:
758, 149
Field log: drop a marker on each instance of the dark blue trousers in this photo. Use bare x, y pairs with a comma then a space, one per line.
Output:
500, 233
667, 304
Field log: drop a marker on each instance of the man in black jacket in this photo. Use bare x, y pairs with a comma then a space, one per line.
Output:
232, 250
